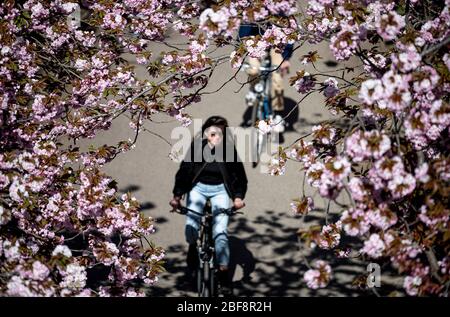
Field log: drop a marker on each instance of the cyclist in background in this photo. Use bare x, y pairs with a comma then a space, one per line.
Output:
207, 172
277, 91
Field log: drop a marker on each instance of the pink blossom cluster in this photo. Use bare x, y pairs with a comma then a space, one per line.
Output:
382, 158
330, 236
319, 276
191, 63
391, 92
344, 43
435, 30
389, 25
277, 166
215, 23
278, 37
358, 221
328, 177
305, 83
256, 47
302, 206
374, 63
412, 283
321, 27
362, 145
374, 246
381, 217
426, 122
304, 152
354, 221
434, 215
325, 134
331, 87
284, 7
68, 83
390, 173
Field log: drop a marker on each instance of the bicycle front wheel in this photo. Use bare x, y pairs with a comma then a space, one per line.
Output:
204, 271
205, 281
257, 136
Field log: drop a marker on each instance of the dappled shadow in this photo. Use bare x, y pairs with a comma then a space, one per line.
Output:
160, 220
240, 256
347, 270
147, 205
174, 281
303, 122
130, 188
331, 63
279, 266
291, 109
266, 260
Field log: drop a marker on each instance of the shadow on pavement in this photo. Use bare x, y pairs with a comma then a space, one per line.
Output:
130, 188
266, 260
240, 256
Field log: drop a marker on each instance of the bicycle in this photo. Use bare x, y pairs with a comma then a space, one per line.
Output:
261, 103
207, 285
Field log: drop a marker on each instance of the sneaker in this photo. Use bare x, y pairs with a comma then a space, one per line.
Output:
224, 280
278, 124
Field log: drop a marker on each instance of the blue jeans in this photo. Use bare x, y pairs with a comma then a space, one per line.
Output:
196, 200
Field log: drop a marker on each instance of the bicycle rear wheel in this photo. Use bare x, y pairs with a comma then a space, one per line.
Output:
213, 284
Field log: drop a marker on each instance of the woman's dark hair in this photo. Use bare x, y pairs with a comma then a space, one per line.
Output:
228, 143
217, 121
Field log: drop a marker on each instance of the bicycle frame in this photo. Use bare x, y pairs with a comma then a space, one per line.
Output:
265, 103
262, 107
263, 90
206, 284
206, 277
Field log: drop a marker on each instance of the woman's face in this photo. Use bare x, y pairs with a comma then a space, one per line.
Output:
214, 135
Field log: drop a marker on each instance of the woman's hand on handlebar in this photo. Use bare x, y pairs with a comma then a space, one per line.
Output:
175, 202
238, 203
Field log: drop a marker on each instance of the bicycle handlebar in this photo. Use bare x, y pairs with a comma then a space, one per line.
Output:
184, 210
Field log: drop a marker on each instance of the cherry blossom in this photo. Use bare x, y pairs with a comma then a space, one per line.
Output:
319, 277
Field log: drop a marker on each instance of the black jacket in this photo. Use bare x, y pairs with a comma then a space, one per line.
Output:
233, 172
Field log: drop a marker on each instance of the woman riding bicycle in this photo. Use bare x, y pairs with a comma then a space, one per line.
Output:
208, 172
